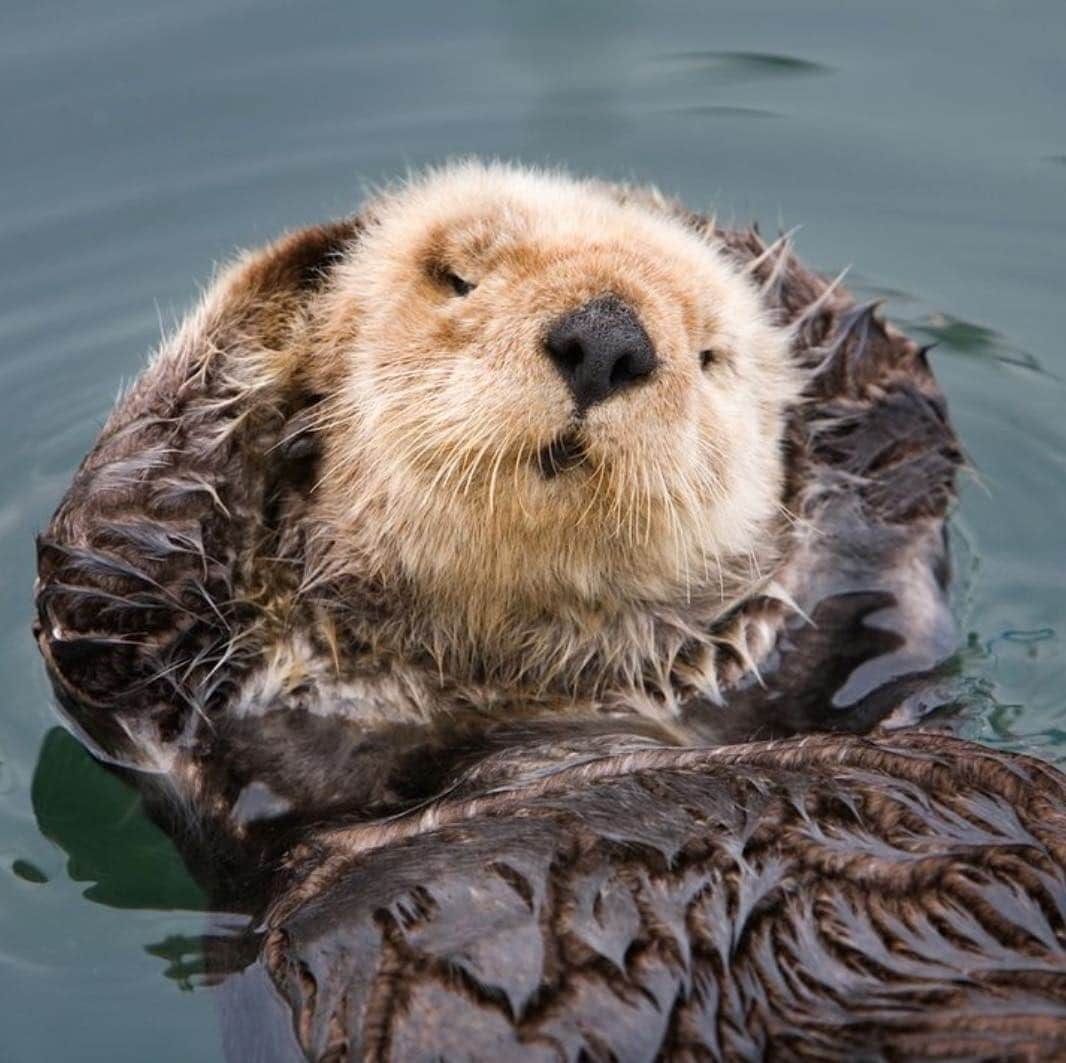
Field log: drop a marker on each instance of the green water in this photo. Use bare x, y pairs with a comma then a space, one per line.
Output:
922, 142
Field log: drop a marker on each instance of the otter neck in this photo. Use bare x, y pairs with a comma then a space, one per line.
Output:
635, 655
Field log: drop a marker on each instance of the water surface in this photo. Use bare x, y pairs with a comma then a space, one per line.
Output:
922, 143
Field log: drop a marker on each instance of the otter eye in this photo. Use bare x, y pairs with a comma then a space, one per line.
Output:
456, 283
707, 358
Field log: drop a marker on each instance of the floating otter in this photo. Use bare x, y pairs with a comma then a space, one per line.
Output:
508, 470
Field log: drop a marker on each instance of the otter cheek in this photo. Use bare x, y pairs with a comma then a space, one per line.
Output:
747, 487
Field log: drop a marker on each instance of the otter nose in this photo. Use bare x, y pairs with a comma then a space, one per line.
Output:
599, 349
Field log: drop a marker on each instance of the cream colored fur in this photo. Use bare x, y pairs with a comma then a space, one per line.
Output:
438, 404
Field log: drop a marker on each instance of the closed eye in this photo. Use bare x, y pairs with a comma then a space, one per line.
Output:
457, 283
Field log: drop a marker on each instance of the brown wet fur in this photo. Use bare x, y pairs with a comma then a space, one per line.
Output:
816, 899
464, 849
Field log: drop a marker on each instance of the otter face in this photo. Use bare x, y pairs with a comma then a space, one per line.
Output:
549, 396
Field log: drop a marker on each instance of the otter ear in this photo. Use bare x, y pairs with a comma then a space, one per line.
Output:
279, 282
299, 263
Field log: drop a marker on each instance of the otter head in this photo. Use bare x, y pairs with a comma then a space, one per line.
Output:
554, 409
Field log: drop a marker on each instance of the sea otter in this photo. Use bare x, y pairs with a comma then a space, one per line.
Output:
508, 478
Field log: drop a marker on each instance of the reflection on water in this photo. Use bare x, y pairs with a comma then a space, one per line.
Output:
976, 340
145, 143
97, 820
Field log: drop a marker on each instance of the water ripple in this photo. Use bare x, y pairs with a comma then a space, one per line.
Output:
743, 66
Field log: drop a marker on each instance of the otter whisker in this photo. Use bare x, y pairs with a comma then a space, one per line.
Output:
680, 557
642, 525
500, 454
594, 497
474, 463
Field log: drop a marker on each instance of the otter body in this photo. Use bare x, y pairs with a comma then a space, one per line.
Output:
507, 477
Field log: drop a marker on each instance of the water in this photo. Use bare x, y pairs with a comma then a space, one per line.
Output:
923, 142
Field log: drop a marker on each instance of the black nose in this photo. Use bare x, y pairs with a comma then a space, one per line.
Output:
599, 349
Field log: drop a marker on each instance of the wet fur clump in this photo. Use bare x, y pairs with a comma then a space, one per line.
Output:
826, 898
